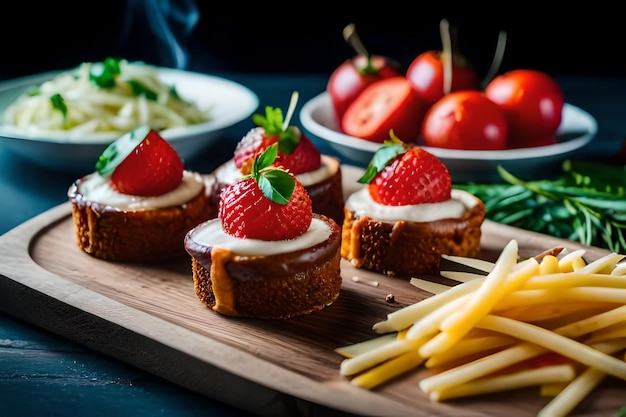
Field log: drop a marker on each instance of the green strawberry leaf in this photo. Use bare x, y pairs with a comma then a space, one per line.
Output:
272, 123
275, 184
383, 155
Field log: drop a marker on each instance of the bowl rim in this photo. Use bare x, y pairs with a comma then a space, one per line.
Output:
99, 139
310, 121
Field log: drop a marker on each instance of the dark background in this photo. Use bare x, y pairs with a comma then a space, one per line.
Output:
306, 37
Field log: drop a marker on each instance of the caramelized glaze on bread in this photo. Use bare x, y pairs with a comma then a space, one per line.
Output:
268, 286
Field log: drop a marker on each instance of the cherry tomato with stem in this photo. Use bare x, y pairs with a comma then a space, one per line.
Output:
350, 78
434, 74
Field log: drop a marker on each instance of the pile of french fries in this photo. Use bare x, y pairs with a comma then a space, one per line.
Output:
482, 335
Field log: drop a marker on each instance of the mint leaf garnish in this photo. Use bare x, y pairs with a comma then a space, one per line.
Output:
275, 184
390, 149
104, 75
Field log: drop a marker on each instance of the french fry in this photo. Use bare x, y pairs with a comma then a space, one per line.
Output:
480, 367
496, 286
388, 370
476, 334
405, 317
603, 265
566, 400
554, 341
566, 262
564, 295
520, 379
574, 279
376, 356
467, 347
615, 331
549, 265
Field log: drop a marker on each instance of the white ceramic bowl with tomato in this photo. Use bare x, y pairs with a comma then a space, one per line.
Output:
229, 101
577, 129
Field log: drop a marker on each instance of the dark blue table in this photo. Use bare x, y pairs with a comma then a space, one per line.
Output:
42, 374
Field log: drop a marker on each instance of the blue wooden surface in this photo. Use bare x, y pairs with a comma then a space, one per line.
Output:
44, 375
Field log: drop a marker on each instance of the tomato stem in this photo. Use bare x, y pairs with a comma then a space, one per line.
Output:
497, 59
292, 107
350, 35
446, 55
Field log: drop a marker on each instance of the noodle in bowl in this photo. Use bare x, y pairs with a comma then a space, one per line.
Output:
37, 131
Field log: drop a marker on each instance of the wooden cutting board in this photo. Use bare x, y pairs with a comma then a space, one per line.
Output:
150, 317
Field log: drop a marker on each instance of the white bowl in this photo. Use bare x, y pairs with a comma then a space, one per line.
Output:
577, 129
231, 103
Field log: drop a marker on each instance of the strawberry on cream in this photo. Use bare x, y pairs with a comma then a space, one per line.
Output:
212, 235
456, 207
229, 172
96, 188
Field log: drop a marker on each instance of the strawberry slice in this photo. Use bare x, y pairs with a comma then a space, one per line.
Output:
296, 152
141, 163
402, 174
268, 204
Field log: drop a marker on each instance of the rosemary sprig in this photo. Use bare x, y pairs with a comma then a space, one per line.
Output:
586, 203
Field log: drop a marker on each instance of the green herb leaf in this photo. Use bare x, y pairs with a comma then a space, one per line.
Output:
104, 75
139, 89
117, 151
383, 155
275, 184
34, 91
587, 203
59, 103
272, 123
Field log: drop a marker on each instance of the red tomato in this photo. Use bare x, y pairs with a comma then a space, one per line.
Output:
351, 78
426, 73
465, 120
385, 105
533, 105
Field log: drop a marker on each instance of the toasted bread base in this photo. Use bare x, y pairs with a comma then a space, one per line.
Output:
135, 236
270, 286
406, 247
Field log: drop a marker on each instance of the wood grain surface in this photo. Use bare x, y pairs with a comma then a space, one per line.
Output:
149, 316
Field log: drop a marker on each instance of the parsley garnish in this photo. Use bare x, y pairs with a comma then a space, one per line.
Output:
139, 89
275, 184
58, 103
104, 75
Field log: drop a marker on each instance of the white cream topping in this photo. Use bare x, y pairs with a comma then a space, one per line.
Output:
211, 234
97, 188
228, 173
362, 204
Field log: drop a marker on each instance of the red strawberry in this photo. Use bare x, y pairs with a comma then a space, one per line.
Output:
296, 152
401, 174
141, 163
268, 204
